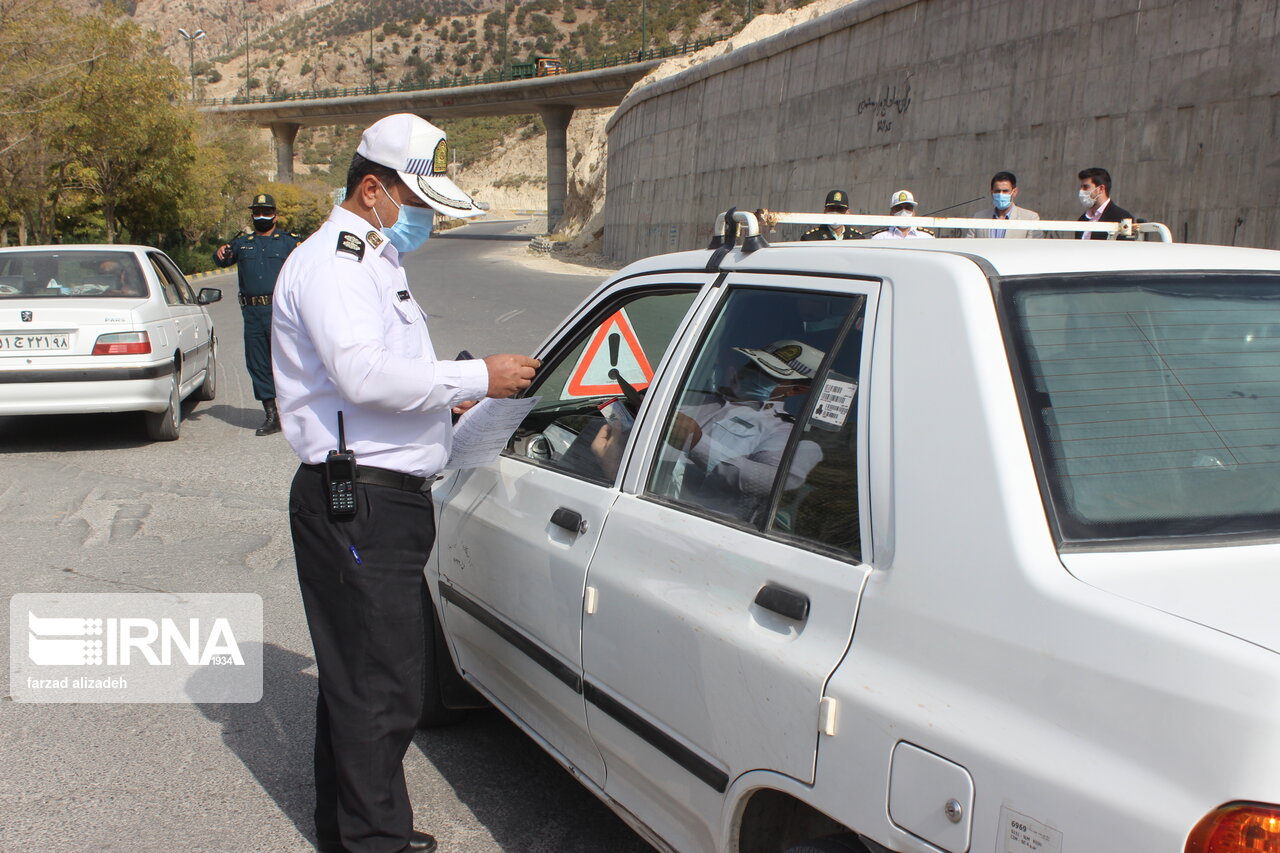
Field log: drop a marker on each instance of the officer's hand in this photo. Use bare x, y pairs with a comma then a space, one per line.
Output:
462, 407
510, 374
685, 432
223, 251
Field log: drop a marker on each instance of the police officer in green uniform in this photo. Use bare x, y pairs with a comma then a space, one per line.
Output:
259, 257
837, 202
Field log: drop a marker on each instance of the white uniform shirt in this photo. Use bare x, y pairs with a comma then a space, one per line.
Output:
895, 234
739, 453
347, 335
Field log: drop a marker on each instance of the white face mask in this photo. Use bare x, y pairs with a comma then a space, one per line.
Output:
1087, 197
906, 211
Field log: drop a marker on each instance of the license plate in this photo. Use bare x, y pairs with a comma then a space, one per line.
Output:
35, 342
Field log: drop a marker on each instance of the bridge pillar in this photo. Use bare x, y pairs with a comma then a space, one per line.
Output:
285, 133
555, 117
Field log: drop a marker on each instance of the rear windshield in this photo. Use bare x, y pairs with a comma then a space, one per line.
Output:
1153, 401
52, 274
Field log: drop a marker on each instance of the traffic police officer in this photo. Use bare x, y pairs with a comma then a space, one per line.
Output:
837, 202
259, 256
349, 337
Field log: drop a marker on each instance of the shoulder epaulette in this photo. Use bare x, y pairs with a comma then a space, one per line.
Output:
350, 244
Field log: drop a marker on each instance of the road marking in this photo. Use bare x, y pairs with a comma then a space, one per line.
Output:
510, 315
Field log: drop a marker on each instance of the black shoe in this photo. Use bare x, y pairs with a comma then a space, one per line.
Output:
419, 842
272, 423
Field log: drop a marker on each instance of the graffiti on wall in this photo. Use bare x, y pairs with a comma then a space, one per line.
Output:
888, 104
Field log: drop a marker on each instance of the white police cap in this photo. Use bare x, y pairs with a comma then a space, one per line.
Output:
417, 150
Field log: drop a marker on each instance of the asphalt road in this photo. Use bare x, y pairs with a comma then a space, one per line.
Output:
88, 505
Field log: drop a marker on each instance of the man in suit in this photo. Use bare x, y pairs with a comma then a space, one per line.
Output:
1004, 194
1095, 195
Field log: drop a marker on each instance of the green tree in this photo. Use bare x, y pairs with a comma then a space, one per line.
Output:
128, 144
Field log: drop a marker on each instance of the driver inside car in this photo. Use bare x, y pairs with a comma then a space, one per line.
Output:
728, 443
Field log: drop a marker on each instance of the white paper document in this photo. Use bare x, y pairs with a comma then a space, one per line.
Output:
484, 430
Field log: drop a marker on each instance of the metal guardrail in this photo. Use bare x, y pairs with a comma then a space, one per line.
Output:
502, 76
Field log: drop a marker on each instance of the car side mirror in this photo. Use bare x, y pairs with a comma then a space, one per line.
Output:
208, 295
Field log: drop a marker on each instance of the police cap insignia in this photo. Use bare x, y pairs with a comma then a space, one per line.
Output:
351, 245
787, 353
440, 158
374, 239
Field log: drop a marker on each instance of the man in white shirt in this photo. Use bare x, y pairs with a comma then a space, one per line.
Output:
727, 444
901, 203
348, 337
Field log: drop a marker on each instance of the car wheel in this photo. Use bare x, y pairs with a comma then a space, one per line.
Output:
439, 667
209, 387
833, 844
164, 426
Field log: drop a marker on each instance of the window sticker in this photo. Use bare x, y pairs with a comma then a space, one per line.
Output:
834, 403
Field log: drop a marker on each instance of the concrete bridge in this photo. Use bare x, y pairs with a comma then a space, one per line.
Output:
554, 98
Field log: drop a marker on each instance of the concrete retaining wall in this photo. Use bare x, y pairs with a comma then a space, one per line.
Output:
1179, 99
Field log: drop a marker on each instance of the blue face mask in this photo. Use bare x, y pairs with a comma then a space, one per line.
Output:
413, 226
1002, 201
752, 386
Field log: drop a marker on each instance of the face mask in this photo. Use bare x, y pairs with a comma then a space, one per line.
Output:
263, 224
1086, 198
753, 386
412, 227
906, 211
1002, 201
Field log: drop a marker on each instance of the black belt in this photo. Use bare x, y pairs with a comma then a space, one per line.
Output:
371, 476
255, 300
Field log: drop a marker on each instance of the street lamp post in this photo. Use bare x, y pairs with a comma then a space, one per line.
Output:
644, 27
191, 39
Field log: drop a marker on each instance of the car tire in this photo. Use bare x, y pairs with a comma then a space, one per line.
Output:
436, 656
208, 389
165, 426
847, 843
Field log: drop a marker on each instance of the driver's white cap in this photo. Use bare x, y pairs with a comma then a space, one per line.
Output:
417, 150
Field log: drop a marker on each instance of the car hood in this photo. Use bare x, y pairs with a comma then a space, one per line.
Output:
1231, 589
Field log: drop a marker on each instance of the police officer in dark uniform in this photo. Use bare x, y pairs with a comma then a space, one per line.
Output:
259, 257
837, 202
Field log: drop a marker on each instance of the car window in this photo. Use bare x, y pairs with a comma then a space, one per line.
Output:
51, 273
581, 385
1152, 400
742, 442
175, 287
819, 503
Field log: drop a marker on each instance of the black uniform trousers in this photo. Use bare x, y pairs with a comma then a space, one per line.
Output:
364, 592
257, 350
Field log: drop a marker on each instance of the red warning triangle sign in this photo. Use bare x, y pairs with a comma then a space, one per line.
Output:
614, 346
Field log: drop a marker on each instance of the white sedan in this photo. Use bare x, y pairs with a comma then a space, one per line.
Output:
103, 329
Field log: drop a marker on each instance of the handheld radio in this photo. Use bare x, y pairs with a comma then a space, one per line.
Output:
340, 476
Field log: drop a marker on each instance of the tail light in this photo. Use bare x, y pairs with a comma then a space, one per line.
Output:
1237, 828
122, 343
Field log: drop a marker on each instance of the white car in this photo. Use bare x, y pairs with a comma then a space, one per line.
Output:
911, 545
103, 329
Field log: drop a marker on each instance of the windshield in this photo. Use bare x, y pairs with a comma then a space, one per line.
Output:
49, 273
1153, 400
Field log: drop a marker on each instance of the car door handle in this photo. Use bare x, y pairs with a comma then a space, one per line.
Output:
783, 601
569, 520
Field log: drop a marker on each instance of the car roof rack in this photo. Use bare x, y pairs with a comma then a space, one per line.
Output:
728, 224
